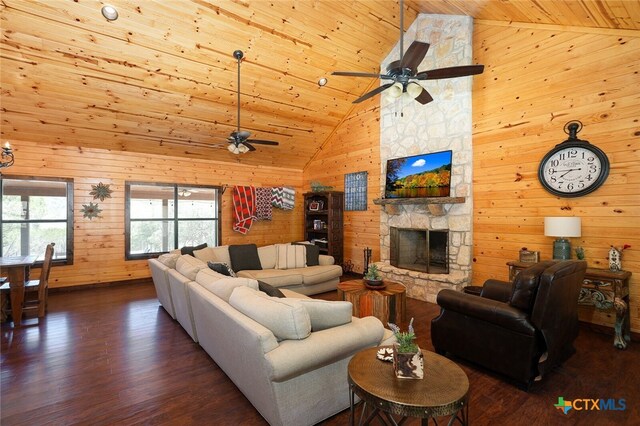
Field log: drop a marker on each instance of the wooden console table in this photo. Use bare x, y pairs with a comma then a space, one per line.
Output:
604, 289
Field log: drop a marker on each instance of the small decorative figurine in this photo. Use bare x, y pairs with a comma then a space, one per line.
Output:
615, 259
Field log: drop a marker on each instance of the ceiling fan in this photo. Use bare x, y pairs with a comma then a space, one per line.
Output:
404, 72
239, 141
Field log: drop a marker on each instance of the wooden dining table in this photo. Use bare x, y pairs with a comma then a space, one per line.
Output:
17, 268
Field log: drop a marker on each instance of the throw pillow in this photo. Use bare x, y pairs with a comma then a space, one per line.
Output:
189, 266
269, 289
221, 268
313, 253
169, 259
290, 256
190, 249
244, 257
221, 285
327, 314
285, 320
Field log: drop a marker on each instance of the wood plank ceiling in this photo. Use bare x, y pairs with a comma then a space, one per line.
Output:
162, 79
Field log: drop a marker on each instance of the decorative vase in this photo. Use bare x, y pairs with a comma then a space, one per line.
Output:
408, 365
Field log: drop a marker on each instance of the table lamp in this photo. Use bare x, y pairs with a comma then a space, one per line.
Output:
562, 227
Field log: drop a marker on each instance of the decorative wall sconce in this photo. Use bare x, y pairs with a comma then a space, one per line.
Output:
7, 156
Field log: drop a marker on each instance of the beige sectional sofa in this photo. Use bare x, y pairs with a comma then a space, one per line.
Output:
307, 280
288, 356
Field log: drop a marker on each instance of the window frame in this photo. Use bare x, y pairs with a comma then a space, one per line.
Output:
176, 219
69, 221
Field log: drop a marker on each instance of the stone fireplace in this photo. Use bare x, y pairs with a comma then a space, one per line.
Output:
410, 128
421, 250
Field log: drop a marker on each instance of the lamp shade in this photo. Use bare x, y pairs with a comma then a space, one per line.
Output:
396, 90
414, 89
562, 226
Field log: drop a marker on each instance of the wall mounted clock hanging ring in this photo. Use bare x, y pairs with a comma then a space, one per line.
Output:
575, 167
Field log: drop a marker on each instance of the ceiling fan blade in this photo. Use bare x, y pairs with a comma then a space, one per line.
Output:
248, 145
450, 72
355, 74
414, 55
424, 97
373, 93
263, 142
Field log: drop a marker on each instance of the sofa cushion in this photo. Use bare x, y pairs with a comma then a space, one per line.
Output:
525, 286
169, 259
313, 253
221, 268
189, 266
268, 256
190, 249
275, 277
286, 319
244, 256
221, 285
290, 256
327, 314
318, 274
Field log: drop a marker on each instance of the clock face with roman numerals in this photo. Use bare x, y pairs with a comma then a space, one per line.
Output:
573, 169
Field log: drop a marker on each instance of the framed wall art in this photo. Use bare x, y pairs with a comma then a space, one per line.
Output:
355, 191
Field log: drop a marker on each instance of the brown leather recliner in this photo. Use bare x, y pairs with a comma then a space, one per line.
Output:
521, 330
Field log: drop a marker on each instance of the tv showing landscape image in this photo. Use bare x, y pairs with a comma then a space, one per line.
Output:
419, 176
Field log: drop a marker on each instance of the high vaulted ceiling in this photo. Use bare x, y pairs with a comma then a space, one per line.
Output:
162, 79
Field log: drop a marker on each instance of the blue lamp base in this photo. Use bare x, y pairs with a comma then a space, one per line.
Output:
561, 249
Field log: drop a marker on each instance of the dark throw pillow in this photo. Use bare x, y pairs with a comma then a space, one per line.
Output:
189, 249
221, 268
244, 256
269, 289
313, 253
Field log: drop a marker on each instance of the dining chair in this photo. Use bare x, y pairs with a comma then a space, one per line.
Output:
35, 291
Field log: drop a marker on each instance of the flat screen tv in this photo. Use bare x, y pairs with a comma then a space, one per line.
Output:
419, 176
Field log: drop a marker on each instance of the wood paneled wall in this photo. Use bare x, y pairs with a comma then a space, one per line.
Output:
99, 243
354, 147
536, 79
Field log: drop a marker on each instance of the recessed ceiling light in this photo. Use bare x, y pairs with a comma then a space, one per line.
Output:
109, 12
323, 81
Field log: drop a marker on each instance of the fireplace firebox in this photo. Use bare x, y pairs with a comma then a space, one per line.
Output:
422, 250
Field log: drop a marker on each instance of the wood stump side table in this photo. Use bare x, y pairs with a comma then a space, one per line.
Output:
388, 304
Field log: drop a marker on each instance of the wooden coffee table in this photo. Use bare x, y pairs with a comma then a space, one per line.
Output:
444, 391
388, 304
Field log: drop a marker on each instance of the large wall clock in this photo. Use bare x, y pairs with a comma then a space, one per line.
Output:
574, 167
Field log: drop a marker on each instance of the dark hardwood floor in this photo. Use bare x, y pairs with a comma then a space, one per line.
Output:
114, 356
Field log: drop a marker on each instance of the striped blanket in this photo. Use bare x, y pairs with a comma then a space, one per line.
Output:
283, 197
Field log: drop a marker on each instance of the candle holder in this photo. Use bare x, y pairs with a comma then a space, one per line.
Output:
367, 259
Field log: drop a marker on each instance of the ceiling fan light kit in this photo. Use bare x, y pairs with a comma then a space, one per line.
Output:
404, 72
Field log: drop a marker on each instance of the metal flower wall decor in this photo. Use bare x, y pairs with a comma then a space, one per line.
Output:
100, 191
91, 210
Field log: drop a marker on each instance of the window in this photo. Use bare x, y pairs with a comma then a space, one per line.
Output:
36, 212
163, 217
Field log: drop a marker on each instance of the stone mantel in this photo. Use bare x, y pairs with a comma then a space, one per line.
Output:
434, 204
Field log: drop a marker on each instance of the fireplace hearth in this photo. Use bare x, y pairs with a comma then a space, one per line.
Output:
422, 250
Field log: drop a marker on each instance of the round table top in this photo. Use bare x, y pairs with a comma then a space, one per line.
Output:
353, 286
443, 390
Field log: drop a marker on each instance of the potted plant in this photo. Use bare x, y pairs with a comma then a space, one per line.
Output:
372, 278
408, 361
